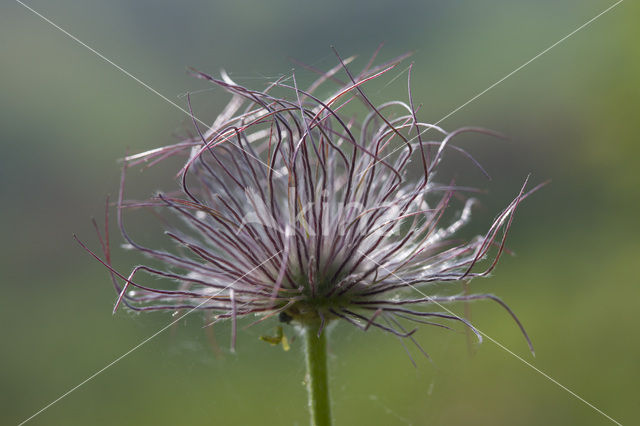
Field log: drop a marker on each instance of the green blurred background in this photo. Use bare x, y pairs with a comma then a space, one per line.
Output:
573, 114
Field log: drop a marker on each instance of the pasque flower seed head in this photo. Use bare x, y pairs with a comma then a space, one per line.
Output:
294, 208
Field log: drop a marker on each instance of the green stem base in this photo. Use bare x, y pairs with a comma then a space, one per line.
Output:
317, 382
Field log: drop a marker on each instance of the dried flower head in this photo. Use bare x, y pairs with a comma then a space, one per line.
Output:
292, 207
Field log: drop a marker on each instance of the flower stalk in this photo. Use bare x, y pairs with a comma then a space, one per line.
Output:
317, 380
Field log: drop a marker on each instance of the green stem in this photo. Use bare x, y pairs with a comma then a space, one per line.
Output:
317, 383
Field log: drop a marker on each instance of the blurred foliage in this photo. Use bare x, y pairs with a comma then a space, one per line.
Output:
572, 115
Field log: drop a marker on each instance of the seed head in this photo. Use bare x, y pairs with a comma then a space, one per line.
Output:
295, 208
